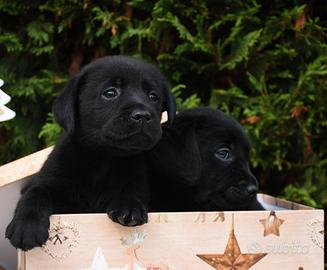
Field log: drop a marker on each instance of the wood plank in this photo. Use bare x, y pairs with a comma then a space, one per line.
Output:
281, 203
182, 241
23, 167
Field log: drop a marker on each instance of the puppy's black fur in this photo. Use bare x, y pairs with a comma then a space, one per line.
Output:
111, 115
202, 164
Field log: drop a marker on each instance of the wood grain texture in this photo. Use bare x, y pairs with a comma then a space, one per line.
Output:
23, 167
175, 239
281, 203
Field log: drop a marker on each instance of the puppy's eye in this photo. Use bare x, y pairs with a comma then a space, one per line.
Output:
224, 154
110, 93
153, 96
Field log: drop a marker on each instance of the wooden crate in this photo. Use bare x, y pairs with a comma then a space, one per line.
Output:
286, 236
273, 239
12, 177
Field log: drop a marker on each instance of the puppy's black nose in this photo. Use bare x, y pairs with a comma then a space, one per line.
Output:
252, 189
140, 115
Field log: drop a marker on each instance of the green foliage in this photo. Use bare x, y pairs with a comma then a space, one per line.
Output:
263, 62
50, 131
300, 194
188, 103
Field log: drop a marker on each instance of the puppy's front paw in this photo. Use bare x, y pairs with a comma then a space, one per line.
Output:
128, 212
27, 233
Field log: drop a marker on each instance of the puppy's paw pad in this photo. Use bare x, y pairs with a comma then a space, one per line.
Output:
128, 212
26, 233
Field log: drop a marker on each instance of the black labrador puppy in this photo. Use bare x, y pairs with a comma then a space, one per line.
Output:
111, 115
202, 164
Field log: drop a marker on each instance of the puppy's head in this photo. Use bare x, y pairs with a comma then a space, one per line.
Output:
115, 102
211, 155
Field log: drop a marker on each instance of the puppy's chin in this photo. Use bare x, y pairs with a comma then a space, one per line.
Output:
132, 143
231, 199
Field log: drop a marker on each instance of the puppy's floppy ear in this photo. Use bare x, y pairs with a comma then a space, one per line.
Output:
177, 154
169, 104
64, 107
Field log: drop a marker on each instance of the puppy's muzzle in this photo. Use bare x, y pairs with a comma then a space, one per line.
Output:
252, 189
141, 116
248, 183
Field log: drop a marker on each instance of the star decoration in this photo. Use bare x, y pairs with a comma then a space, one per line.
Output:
100, 263
271, 224
233, 258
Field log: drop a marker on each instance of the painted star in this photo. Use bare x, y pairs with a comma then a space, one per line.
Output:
271, 224
232, 259
100, 263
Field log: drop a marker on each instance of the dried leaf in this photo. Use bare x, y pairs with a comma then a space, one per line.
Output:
114, 30
297, 111
85, 5
252, 119
302, 19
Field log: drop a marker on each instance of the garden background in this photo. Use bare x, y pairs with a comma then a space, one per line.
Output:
263, 62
